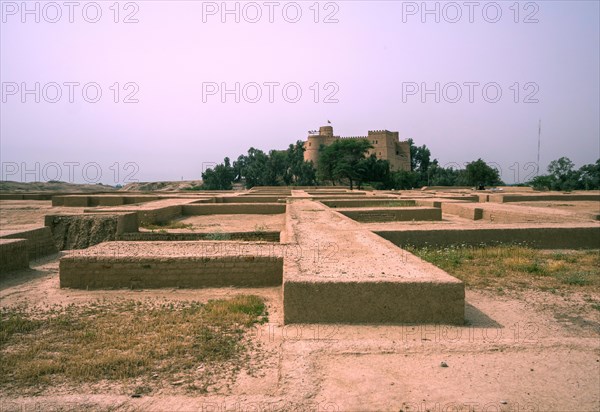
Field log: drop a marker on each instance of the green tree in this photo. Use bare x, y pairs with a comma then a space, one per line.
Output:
375, 171
590, 176
562, 174
404, 180
298, 172
219, 178
480, 174
340, 159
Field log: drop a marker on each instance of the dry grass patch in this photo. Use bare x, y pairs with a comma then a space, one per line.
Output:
514, 267
142, 345
172, 224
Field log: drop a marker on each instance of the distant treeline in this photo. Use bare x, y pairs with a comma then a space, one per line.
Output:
346, 162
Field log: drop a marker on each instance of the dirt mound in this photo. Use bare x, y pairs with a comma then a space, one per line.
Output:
161, 186
55, 186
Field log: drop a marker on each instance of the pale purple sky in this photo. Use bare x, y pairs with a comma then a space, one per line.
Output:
374, 52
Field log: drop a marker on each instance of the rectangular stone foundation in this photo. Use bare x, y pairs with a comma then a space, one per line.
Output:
357, 277
393, 214
148, 265
373, 302
13, 255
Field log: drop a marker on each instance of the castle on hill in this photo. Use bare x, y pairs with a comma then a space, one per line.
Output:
386, 146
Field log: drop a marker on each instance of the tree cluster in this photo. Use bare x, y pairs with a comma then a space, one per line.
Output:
257, 168
346, 161
563, 176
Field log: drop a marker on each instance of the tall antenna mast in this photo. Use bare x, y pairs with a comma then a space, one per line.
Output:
539, 144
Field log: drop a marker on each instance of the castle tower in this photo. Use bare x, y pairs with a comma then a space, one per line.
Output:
314, 142
386, 146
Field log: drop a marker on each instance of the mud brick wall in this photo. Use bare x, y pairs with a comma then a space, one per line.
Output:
83, 231
85, 272
249, 199
388, 302
159, 215
25, 196
40, 242
13, 255
70, 201
233, 208
393, 215
545, 198
100, 200
464, 211
243, 236
390, 202
542, 238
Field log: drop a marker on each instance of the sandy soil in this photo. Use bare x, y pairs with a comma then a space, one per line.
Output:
580, 207
26, 214
524, 351
519, 351
233, 223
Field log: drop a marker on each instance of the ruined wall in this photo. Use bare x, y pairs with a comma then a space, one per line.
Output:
502, 198
389, 202
83, 231
13, 255
464, 211
542, 238
233, 208
241, 236
40, 241
393, 215
146, 273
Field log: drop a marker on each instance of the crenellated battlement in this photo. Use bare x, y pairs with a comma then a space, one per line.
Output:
388, 145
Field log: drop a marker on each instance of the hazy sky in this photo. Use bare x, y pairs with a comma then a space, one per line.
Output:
364, 65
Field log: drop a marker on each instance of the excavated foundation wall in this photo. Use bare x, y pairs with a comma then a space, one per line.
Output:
249, 199
473, 213
368, 203
13, 255
83, 231
104, 200
241, 236
542, 238
40, 241
543, 198
394, 215
233, 208
304, 302
148, 273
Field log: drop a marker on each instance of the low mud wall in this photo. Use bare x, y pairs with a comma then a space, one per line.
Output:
13, 255
83, 231
394, 214
174, 237
467, 212
233, 208
249, 199
502, 198
542, 238
85, 272
389, 202
40, 241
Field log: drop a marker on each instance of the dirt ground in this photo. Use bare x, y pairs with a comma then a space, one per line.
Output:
233, 223
26, 214
520, 351
571, 206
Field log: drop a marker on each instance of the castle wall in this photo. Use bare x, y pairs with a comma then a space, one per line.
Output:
386, 146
